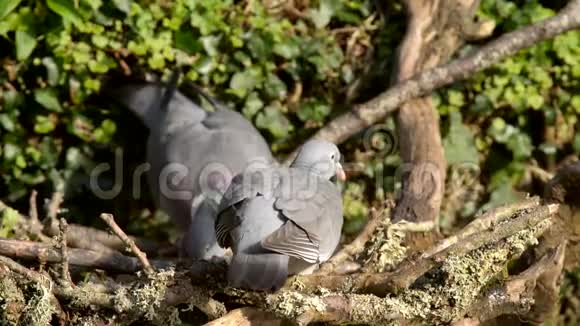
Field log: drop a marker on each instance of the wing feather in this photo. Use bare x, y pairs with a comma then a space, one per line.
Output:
293, 241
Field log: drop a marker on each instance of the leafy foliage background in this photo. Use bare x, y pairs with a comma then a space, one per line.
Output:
289, 70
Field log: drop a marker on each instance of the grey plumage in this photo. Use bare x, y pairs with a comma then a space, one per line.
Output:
193, 154
281, 221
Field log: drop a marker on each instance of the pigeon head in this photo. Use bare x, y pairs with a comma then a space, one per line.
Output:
320, 157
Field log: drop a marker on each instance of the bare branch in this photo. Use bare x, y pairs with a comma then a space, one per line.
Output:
80, 236
54, 206
247, 316
79, 257
483, 222
33, 210
108, 218
516, 295
65, 274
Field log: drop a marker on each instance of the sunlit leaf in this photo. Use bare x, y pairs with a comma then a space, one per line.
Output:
459, 143
25, 44
66, 9
321, 16
6, 7
43, 125
10, 219
48, 98
245, 80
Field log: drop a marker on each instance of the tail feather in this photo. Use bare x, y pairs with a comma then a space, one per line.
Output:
143, 99
217, 105
170, 90
152, 101
258, 271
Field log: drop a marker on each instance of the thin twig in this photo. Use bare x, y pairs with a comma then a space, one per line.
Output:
33, 210
108, 218
65, 274
54, 206
32, 224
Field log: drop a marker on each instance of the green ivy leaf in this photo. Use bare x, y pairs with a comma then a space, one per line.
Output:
47, 97
321, 16
25, 44
253, 105
535, 101
290, 49
66, 9
504, 194
274, 121
10, 219
43, 125
459, 143
260, 47
455, 98
313, 111
12, 99
245, 80
7, 6
51, 70
275, 87
575, 103
123, 5
185, 41
521, 146
7, 122
210, 44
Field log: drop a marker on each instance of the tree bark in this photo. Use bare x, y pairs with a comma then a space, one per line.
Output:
435, 30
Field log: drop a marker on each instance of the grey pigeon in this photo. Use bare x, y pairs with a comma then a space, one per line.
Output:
280, 221
193, 153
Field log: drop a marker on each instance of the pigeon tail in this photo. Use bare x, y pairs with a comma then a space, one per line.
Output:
217, 105
152, 101
170, 90
266, 272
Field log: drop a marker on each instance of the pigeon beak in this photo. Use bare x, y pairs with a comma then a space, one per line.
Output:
340, 175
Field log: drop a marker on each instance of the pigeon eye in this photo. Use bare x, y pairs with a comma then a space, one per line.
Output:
332, 156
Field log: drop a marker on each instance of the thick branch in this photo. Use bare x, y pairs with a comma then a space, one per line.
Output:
516, 295
369, 113
302, 300
79, 236
409, 271
247, 316
79, 257
483, 222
